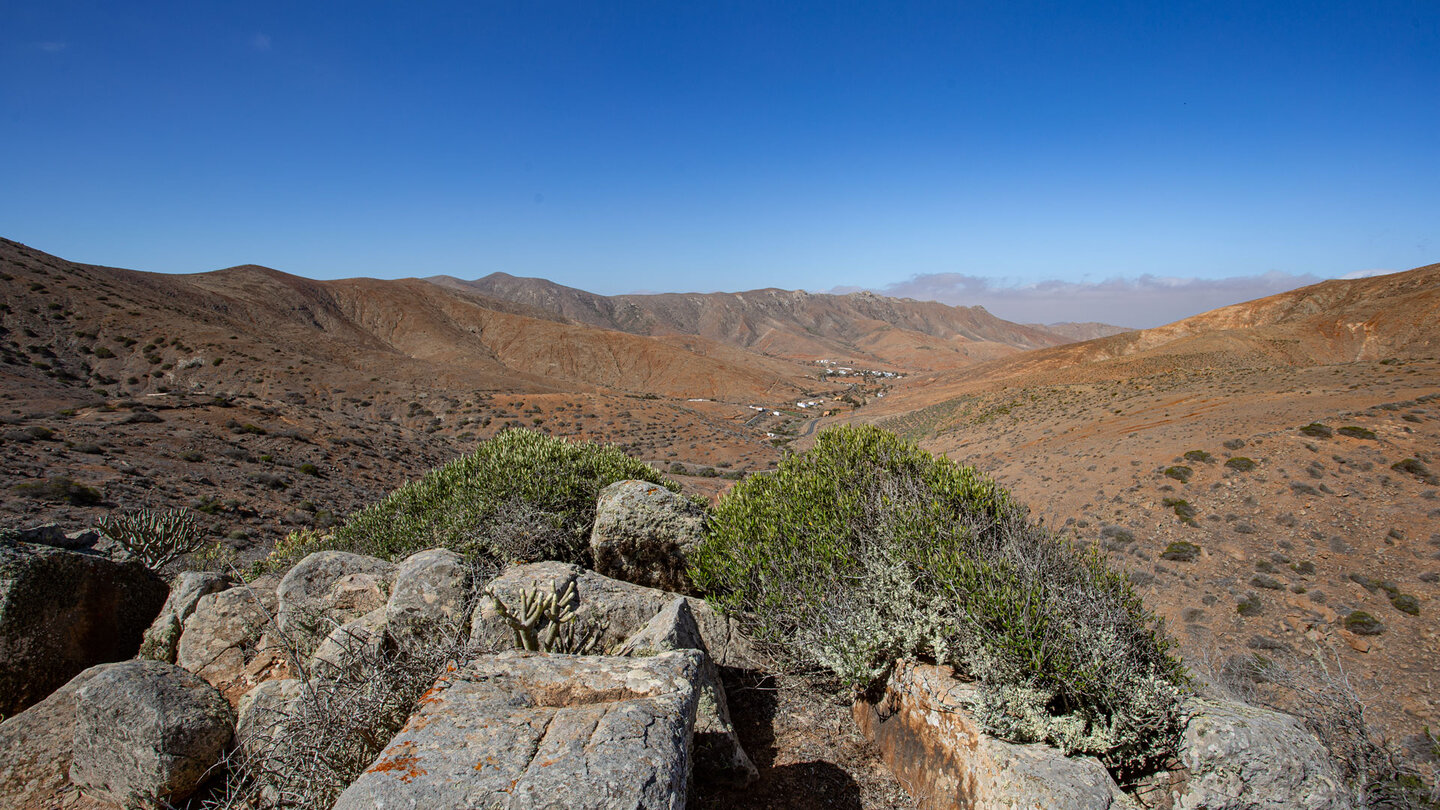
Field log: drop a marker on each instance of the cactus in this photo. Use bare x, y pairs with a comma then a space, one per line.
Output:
156, 538
546, 623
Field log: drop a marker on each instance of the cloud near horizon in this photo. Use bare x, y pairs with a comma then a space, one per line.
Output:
1136, 302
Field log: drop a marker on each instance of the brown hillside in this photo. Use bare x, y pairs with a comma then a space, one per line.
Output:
856, 328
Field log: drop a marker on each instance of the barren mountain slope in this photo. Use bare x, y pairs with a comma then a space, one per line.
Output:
1200, 433
860, 327
268, 400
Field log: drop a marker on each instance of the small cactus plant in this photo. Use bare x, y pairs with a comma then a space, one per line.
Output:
157, 538
545, 622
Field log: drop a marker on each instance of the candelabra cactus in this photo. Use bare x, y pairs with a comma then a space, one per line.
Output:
545, 622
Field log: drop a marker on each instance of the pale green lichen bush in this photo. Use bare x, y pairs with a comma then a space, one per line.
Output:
453, 506
866, 549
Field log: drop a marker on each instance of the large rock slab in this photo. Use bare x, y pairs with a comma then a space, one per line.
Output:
38, 745
618, 608
530, 730
922, 724
719, 756
227, 639
432, 591
163, 636
1242, 757
146, 733
327, 589
643, 534
61, 612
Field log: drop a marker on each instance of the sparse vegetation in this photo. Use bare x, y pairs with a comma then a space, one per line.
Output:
1317, 430
865, 549
1199, 456
1240, 463
1356, 432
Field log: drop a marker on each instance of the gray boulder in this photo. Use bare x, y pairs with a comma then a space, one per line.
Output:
146, 733
1242, 757
922, 724
718, 753
526, 730
327, 589
643, 534
618, 608
226, 633
61, 612
432, 591
38, 745
261, 717
163, 635
348, 643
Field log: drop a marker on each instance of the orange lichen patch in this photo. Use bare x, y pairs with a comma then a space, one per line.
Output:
405, 767
488, 760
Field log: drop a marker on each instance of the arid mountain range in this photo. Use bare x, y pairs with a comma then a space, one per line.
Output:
269, 402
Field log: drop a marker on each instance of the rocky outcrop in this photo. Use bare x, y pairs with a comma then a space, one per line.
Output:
525, 730
61, 612
163, 635
37, 746
146, 733
327, 589
643, 534
719, 756
921, 722
618, 608
432, 591
347, 645
1241, 757
225, 639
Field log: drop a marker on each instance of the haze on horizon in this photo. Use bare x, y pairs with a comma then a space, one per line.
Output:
1131, 165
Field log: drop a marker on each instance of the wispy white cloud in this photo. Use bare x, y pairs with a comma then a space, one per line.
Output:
1139, 302
52, 47
260, 42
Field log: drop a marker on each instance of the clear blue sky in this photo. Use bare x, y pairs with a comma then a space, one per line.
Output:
701, 146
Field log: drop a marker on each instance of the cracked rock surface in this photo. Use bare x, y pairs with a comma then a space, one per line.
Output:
533, 730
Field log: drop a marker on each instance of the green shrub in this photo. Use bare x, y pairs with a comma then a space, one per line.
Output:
1317, 430
1180, 551
1240, 464
1356, 432
452, 504
1405, 603
1180, 473
1417, 468
866, 549
1362, 623
60, 489
1249, 606
1183, 509
1198, 455
308, 469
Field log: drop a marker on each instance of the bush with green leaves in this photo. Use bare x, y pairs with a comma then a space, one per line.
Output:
453, 506
866, 549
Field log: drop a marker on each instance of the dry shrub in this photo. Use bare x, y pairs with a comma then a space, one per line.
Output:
1318, 691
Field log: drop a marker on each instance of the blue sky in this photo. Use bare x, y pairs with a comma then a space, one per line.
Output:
699, 146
